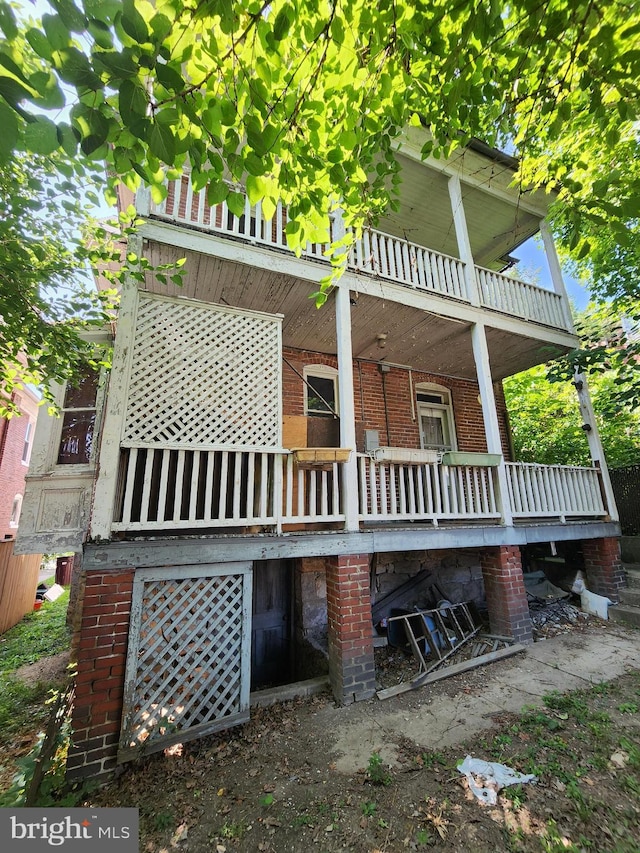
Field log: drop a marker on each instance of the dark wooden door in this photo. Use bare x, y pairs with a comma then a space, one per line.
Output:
272, 651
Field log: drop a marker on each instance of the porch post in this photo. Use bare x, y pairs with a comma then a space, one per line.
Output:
109, 453
595, 444
346, 406
556, 272
490, 414
462, 237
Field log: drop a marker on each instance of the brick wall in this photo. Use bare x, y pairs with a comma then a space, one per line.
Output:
399, 386
351, 663
101, 652
505, 592
12, 469
603, 566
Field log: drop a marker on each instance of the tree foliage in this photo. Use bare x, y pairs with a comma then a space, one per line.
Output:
47, 297
545, 418
306, 101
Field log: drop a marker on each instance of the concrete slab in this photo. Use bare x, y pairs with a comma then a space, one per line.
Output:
433, 719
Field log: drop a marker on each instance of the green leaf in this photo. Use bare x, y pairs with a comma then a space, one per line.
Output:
169, 77
8, 131
41, 136
282, 23
13, 91
101, 33
133, 23
116, 63
217, 192
132, 102
71, 15
235, 203
75, 68
256, 188
162, 143
8, 21
67, 139
57, 32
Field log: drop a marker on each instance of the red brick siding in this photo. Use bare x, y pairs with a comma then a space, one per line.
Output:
101, 653
603, 566
12, 469
399, 386
505, 592
351, 664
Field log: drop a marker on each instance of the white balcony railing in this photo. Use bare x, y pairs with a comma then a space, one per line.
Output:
176, 489
511, 296
375, 253
554, 491
429, 492
165, 489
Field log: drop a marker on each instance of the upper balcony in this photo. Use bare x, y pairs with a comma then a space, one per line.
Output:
376, 255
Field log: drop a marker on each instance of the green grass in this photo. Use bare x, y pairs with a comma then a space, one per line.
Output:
40, 634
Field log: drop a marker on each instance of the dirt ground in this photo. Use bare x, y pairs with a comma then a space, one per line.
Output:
273, 784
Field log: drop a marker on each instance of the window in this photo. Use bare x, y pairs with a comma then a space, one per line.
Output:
435, 416
16, 508
26, 449
321, 390
78, 420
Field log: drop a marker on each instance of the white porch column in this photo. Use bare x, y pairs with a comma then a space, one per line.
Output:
346, 406
490, 414
595, 444
114, 413
556, 272
462, 236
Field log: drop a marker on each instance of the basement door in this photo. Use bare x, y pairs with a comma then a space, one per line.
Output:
188, 660
272, 651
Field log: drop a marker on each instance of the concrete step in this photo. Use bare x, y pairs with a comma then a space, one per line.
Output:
630, 596
633, 575
625, 613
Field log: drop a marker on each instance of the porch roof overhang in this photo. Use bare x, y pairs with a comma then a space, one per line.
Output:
423, 330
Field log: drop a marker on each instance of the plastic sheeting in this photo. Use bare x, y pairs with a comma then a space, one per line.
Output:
486, 778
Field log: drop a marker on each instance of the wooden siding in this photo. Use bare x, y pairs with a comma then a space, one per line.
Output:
18, 583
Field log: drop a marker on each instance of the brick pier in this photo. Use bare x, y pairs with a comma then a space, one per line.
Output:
505, 592
351, 663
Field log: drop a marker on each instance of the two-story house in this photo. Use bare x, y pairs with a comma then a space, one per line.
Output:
258, 473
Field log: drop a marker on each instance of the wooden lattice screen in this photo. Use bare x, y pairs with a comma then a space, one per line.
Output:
189, 657
626, 489
203, 375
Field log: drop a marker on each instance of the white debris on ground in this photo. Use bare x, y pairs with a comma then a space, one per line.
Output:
486, 778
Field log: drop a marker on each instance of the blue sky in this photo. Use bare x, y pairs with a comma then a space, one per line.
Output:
532, 258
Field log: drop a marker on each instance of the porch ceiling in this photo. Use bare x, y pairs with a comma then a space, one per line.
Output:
415, 338
496, 225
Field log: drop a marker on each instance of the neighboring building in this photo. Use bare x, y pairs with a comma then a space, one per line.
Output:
16, 441
259, 473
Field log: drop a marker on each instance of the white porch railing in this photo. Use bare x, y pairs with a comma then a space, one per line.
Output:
556, 491
375, 253
511, 296
407, 263
393, 492
165, 489
178, 489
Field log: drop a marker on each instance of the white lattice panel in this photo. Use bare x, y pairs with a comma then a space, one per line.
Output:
203, 375
188, 662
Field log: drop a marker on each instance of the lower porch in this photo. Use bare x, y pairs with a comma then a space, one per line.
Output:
231, 490
171, 628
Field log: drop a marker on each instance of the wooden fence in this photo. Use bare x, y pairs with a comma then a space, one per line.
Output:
18, 584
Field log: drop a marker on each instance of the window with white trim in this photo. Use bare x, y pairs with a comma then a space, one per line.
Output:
320, 390
435, 417
16, 509
78, 420
26, 448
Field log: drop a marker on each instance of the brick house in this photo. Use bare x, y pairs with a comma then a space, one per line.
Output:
257, 475
16, 440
